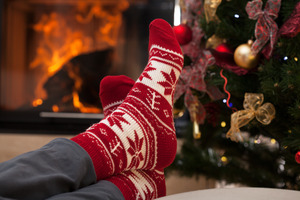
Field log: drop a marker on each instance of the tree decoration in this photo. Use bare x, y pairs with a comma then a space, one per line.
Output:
223, 48
191, 10
194, 115
253, 109
191, 78
291, 27
244, 57
266, 28
183, 33
297, 157
210, 9
226, 91
226, 61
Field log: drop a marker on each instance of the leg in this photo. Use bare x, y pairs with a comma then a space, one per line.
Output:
136, 184
102, 190
60, 166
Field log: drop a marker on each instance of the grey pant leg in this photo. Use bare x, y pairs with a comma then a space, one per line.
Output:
58, 167
103, 190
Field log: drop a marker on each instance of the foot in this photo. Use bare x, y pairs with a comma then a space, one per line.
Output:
113, 91
140, 184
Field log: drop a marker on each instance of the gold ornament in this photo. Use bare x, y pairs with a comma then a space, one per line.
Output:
253, 109
213, 42
243, 56
210, 9
196, 130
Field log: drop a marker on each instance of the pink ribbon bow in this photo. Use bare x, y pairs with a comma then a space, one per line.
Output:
191, 78
266, 28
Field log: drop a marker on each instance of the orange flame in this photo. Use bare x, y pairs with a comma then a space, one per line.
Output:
81, 107
63, 36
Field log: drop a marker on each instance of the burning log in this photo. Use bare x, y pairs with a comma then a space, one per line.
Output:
78, 80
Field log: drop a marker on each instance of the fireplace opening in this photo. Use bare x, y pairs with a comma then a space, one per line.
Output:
54, 54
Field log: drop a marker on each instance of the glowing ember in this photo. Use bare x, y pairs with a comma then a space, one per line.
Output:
55, 108
37, 102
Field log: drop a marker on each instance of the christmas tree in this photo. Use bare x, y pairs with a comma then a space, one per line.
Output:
240, 86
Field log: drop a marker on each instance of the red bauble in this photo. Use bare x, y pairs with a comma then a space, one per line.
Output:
183, 33
223, 48
297, 157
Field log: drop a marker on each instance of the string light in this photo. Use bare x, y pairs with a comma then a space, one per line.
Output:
257, 141
296, 59
224, 159
285, 58
273, 141
223, 124
237, 16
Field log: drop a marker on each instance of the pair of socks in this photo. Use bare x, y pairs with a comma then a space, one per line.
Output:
137, 137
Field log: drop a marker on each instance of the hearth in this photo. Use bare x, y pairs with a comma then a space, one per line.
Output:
55, 52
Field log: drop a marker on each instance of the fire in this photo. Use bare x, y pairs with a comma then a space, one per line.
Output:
62, 36
37, 102
81, 107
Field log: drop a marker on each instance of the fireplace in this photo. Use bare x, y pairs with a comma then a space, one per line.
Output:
55, 52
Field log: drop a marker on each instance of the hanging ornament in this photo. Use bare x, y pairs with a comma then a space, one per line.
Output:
243, 56
226, 61
253, 109
297, 157
196, 130
210, 9
183, 33
193, 115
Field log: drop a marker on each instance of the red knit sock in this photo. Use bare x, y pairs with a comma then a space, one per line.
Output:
139, 184
134, 184
140, 133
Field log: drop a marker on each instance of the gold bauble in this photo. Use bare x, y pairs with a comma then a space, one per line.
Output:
243, 56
